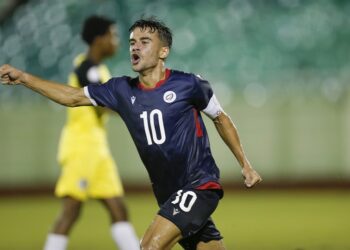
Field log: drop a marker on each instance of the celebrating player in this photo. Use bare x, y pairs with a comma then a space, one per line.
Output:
161, 108
88, 170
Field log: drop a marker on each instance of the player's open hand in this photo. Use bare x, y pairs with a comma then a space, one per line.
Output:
251, 177
10, 75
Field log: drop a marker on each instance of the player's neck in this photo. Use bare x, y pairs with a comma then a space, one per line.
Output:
95, 56
151, 77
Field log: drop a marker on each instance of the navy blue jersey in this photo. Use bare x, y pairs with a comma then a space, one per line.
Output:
166, 126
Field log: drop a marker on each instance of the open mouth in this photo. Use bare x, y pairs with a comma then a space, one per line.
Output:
135, 59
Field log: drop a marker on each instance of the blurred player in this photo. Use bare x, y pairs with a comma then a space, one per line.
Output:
161, 108
88, 170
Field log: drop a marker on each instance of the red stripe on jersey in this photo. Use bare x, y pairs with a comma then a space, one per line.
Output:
143, 86
199, 131
209, 185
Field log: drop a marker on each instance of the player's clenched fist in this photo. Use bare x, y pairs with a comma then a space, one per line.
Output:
10, 75
251, 177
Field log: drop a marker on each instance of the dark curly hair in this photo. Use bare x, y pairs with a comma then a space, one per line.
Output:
95, 26
153, 24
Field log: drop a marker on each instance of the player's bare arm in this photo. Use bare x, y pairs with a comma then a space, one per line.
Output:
60, 93
229, 134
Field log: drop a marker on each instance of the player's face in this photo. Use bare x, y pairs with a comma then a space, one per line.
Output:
146, 49
110, 41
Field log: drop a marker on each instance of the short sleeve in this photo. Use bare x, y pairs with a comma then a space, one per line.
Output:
202, 92
103, 94
88, 73
205, 99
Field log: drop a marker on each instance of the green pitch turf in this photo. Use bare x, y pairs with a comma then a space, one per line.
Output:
248, 220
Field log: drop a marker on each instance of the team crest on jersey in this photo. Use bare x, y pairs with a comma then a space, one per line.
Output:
169, 96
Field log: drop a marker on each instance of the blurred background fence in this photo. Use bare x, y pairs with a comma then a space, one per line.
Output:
281, 70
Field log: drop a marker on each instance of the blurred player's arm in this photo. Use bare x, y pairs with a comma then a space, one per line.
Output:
60, 93
103, 110
228, 132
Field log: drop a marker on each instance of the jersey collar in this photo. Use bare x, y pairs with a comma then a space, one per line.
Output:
142, 86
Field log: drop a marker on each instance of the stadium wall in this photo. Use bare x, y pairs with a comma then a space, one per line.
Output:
280, 69
306, 141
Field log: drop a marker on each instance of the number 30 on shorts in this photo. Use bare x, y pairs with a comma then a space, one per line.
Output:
186, 200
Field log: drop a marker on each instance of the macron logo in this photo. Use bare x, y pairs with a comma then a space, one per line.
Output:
133, 98
175, 211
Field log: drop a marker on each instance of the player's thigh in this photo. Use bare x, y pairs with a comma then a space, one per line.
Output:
71, 208
211, 245
116, 208
161, 234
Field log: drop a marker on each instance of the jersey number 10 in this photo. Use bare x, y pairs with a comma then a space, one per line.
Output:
148, 121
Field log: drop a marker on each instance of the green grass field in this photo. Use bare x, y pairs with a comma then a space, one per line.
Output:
248, 220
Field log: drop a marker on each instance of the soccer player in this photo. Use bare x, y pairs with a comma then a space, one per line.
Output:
88, 169
161, 108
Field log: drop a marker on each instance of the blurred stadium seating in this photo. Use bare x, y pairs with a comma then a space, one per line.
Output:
280, 68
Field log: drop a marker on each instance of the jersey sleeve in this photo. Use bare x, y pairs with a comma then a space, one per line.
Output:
205, 99
102, 94
88, 73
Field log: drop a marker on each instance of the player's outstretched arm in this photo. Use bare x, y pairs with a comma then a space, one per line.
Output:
60, 93
229, 134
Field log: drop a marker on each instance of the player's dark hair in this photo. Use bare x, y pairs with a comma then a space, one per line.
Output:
153, 24
95, 26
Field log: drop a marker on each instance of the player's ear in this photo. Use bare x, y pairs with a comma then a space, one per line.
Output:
164, 52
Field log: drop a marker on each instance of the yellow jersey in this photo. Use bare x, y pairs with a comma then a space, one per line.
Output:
85, 126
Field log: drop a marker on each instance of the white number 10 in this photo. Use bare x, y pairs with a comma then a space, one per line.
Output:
157, 139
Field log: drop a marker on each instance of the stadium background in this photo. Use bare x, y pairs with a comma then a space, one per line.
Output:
281, 70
